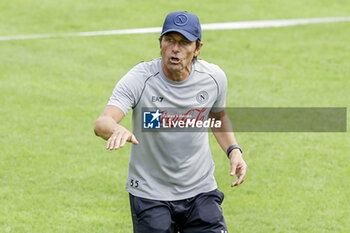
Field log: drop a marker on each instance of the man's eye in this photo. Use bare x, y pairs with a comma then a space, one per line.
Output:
183, 42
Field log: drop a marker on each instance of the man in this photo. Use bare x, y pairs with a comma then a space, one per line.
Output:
171, 174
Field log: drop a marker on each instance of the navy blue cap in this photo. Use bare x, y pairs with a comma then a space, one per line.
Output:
184, 23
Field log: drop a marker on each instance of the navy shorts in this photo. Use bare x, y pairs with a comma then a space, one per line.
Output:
199, 214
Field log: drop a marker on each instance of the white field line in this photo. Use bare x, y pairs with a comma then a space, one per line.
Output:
211, 26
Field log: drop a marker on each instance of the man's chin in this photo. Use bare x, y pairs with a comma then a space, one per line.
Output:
174, 67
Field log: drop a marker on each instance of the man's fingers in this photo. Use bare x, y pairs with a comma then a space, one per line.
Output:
241, 179
127, 138
108, 143
111, 142
117, 142
241, 174
237, 182
133, 140
123, 141
233, 168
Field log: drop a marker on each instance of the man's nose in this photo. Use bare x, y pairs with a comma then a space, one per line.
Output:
176, 47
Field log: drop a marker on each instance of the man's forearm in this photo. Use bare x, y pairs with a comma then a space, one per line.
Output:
226, 138
105, 126
225, 135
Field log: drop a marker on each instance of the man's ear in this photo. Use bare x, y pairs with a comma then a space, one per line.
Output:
160, 42
198, 50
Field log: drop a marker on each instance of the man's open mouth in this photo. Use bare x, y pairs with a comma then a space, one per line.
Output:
175, 60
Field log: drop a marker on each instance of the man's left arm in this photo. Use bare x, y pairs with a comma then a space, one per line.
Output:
226, 138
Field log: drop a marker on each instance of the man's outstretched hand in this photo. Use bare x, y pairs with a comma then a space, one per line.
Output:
119, 137
238, 167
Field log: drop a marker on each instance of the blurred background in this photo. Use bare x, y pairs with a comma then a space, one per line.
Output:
56, 176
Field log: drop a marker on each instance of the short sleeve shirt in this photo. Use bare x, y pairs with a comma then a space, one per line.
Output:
170, 165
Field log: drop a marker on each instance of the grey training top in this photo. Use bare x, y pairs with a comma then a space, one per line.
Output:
170, 166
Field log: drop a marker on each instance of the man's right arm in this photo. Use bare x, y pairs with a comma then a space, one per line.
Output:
107, 126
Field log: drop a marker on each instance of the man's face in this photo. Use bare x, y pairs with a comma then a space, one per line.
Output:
177, 52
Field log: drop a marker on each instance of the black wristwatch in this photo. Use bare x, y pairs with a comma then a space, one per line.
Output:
231, 148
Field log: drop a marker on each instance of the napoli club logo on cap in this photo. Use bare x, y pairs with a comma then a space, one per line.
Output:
180, 20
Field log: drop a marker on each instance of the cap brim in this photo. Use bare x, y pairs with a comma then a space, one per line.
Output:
186, 34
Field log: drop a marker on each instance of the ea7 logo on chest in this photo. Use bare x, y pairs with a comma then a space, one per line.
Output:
157, 99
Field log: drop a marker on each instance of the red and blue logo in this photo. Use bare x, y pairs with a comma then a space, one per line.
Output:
151, 120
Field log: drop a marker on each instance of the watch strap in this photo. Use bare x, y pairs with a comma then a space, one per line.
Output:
231, 148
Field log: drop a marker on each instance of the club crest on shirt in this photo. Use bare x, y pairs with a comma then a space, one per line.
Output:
202, 97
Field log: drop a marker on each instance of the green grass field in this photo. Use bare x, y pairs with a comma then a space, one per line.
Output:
56, 176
